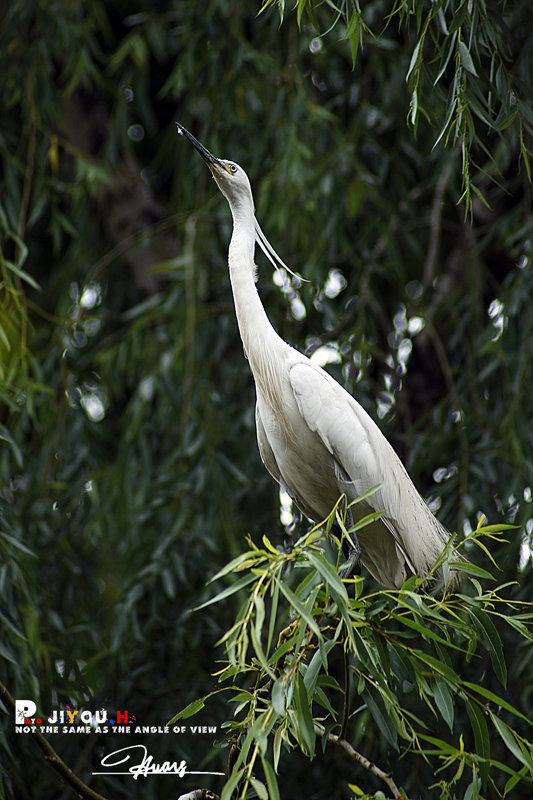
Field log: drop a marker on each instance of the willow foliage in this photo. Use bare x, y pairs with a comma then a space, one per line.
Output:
129, 473
313, 662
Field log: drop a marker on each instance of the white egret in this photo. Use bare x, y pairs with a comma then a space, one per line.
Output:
313, 437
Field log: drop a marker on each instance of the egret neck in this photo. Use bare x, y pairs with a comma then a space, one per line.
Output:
257, 334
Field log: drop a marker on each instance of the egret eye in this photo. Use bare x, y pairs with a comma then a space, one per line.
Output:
233, 168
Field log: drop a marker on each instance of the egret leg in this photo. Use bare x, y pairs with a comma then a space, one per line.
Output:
352, 565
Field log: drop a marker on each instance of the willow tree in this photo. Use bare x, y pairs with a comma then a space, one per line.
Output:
388, 149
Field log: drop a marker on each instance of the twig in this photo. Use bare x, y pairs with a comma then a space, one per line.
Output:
346, 710
52, 757
190, 321
362, 760
435, 225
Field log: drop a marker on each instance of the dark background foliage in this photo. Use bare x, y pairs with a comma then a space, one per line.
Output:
128, 467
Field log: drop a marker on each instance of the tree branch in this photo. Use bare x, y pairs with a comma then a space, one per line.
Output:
52, 757
362, 760
435, 223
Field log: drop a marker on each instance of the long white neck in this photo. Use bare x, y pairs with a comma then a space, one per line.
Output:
260, 340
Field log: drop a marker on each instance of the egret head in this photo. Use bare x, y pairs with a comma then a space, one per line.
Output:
231, 179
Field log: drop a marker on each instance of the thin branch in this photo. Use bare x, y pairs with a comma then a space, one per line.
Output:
346, 709
362, 760
190, 321
435, 225
52, 757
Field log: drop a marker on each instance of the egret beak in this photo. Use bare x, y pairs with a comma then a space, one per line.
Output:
208, 157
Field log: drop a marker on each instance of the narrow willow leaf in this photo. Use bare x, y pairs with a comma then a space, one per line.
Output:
22, 274
441, 747
276, 747
189, 710
439, 667
233, 565
282, 690
376, 706
414, 58
259, 652
235, 587
424, 630
305, 719
466, 59
273, 614
514, 779
471, 569
444, 702
490, 637
322, 699
269, 546
285, 647
259, 614
494, 698
328, 573
444, 64
231, 785
260, 788
298, 607
272, 783
6, 437
312, 672
512, 743
19, 545
481, 737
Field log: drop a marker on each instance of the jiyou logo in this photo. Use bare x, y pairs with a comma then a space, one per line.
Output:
70, 720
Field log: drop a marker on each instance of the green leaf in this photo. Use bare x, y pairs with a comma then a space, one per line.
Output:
439, 667
22, 274
231, 785
494, 698
491, 639
282, 692
514, 780
328, 573
259, 615
19, 545
190, 710
471, 569
246, 580
297, 605
259, 652
423, 629
512, 742
414, 57
234, 565
444, 702
466, 59
376, 706
305, 720
312, 672
480, 730
272, 783
273, 614
6, 437
260, 788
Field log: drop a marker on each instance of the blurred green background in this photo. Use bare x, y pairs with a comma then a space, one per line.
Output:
129, 472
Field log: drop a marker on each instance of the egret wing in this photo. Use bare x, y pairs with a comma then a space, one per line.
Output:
363, 459
344, 428
265, 450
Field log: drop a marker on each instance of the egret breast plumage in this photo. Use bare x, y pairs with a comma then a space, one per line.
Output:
314, 438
